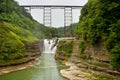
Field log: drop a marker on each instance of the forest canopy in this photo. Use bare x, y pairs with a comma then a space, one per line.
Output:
100, 21
17, 27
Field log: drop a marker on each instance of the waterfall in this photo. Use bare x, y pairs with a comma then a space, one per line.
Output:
49, 46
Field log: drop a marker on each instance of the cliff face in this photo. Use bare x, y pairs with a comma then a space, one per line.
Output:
64, 50
95, 58
100, 20
33, 51
97, 52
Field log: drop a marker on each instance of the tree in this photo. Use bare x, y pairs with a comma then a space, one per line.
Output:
100, 20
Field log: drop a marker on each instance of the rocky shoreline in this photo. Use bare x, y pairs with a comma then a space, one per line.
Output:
30, 60
8, 69
83, 70
74, 72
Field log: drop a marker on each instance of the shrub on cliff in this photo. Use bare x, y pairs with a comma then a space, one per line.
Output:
65, 48
100, 20
10, 44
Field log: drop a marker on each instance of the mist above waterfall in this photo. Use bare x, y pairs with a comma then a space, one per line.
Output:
49, 46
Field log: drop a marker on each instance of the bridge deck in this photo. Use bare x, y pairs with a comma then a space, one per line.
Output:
52, 6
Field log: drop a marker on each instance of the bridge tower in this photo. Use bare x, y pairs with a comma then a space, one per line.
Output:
67, 18
47, 16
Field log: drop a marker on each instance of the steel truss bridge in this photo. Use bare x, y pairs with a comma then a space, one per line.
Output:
47, 13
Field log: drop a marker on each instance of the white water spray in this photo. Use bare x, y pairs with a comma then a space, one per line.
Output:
48, 44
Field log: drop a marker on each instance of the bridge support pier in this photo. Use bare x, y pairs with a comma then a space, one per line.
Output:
67, 19
47, 15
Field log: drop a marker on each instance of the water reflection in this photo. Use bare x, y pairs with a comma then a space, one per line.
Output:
48, 69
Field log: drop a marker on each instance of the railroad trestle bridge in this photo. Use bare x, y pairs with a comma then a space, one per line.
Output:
47, 13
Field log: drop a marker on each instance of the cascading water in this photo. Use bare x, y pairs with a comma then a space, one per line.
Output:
49, 46
47, 69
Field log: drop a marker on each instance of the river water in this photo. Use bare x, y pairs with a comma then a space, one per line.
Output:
48, 68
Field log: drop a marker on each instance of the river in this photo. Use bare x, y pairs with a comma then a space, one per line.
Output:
47, 69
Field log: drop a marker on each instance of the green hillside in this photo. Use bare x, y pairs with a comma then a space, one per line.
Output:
16, 27
100, 21
69, 30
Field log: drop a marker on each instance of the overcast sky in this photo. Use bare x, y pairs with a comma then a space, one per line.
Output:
57, 14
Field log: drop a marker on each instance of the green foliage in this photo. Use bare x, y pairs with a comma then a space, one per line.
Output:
10, 44
100, 20
69, 30
82, 46
21, 33
99, 64
83, 56
66, 47
105, 77
13, 61
16, 27
115, 56
20, 18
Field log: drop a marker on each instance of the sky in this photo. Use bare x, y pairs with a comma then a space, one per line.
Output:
57, 14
